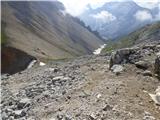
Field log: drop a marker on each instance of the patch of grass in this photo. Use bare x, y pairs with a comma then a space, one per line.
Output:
3, 38
124, 42
54, 60
3, 34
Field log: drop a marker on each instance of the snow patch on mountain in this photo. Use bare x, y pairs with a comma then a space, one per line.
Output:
98, 51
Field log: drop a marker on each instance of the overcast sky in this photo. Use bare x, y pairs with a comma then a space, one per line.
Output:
76, 7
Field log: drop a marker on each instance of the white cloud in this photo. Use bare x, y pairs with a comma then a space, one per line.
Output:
150, 4
104, 16
76, 7
157, 17
143, 15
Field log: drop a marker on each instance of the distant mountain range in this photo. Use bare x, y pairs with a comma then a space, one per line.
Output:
44, 30
116, 19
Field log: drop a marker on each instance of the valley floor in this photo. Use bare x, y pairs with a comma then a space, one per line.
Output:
82, 89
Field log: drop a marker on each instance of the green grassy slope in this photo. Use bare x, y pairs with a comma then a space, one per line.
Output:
145, 34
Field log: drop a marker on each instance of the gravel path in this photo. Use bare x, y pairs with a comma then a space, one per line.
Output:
81, 89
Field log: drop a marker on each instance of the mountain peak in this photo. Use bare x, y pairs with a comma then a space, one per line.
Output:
126, 18
120, 5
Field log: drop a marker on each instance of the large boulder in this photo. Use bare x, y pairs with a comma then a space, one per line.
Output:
142, 64
157, 65
117, 69
156, 97
121, 56
23, 103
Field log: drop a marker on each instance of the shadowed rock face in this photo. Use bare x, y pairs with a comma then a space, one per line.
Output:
14, 60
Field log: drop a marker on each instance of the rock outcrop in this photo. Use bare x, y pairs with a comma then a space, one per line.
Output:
142, 56
120, 56
14, 60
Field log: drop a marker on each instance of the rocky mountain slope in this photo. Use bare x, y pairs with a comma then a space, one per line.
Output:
42, 30
146, 34
116, 19
86, 88
45, 30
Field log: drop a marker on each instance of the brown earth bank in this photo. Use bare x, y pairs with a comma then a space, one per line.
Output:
85, 88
